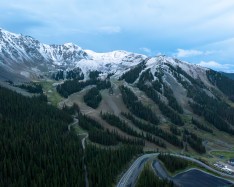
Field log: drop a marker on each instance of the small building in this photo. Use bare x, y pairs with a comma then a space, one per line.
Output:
231, 161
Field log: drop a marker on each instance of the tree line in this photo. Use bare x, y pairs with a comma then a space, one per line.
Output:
194, 141
176, 131
147, 78
166, 110
93, 97
136, 107
131, 75
201, 126
104, 164
214, 110
156, 131
75, 73
149, 179
98, 134
173, 163
122, 125
72, 86
225, 84
31, 88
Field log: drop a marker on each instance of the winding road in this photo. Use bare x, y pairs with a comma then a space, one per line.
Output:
130, 176
76, 121
83, 139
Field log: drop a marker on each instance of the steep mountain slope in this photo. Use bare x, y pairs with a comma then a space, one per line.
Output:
174, 104
163, 101
26, 56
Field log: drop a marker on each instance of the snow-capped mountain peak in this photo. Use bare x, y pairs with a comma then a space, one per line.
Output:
26, 56
16, 48
114, 56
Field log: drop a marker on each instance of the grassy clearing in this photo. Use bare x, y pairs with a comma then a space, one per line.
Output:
223, 154
79, 130
52, 94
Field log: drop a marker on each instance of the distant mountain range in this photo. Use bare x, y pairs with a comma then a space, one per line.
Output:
26, 58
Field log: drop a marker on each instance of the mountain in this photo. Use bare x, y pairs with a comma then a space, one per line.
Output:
124, 103
26, 58
23, 55
175, 96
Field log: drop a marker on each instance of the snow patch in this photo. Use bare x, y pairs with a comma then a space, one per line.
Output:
25, 74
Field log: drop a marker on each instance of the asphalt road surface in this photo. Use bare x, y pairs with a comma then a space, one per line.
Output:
129, 178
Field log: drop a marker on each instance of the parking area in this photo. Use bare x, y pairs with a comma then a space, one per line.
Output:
225, 167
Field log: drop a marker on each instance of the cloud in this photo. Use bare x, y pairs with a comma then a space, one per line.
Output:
109, 29
146, 50
187, 53
217, 66
110, 25
136, 17
183, 53
210, 64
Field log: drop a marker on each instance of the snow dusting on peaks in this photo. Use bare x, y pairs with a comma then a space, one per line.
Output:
25, 54
72, 47
69, 45
119, 56
8, 34
114, 56
165, 63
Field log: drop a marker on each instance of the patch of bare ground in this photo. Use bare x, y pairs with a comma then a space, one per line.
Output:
111, 103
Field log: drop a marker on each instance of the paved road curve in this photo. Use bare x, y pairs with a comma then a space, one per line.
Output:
75, 121
204, 165
130, 176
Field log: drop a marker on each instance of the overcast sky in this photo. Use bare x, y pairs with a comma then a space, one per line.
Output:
200, 31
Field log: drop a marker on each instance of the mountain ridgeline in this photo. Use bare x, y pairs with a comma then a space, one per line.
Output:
158, 91
161, 92
125, 102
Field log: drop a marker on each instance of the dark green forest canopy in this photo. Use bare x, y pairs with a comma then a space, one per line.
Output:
148, 178
136, 107
173, 163
105, 164
93, 97
37, 149
229, 75
36, 146
224, 83
72, 86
